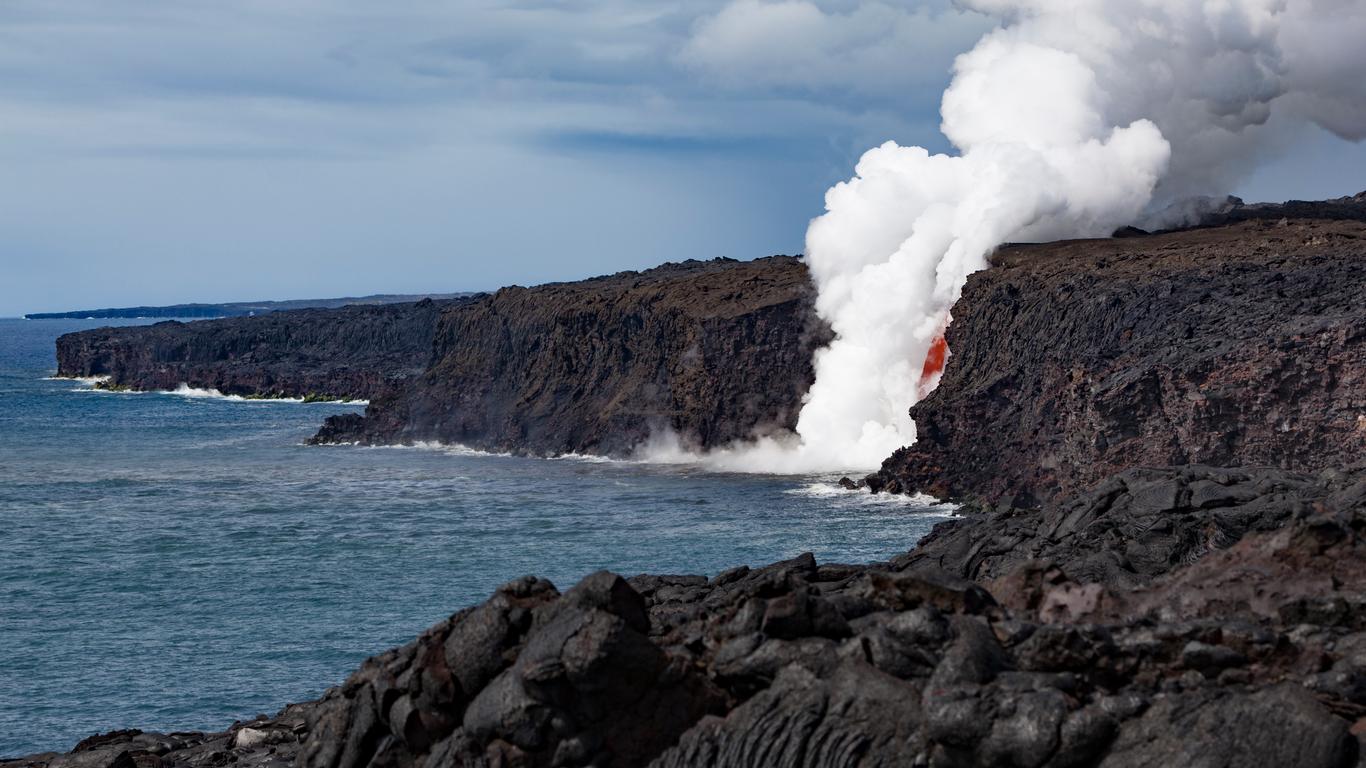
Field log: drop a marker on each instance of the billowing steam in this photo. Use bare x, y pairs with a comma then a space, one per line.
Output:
1072, 118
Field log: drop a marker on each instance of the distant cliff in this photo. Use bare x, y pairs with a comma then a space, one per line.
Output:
347, 353
712, 351
1230, 346
240, 308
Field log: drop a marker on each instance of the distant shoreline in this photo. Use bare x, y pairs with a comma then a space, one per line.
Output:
200, 311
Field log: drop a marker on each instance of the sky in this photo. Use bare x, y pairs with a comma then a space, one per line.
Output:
158, 152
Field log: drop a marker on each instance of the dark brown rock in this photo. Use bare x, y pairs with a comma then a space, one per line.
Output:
711, 351
1242, 345
348, 353
1134, 526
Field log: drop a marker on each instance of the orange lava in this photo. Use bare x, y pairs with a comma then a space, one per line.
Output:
934, 361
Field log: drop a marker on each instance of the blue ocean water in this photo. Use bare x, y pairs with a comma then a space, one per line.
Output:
171, 562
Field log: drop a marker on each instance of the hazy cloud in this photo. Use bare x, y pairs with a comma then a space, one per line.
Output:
157, 151
878, 49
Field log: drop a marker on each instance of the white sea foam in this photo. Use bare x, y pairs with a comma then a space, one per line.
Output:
833, 492
185, 390
588, 458
451, 449
91, 384
89, 381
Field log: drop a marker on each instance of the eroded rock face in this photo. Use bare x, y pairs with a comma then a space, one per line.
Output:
710, 351
1135, 526
1241, 345
348, 353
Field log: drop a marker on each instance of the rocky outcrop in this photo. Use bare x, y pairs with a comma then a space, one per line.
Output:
266, 742
1252, 655
349, 353
711, 352
1240, 345
1233, 210
1137, 525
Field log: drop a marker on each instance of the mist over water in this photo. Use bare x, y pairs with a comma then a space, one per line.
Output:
1071, 119
177, 562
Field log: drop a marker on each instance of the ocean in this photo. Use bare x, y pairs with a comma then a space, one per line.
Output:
178, 561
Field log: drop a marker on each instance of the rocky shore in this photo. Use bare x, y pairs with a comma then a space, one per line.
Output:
1158, 441
1249, 649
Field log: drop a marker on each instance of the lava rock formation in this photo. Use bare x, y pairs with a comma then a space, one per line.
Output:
711, 352
1254, 654
1242, 345
351, 353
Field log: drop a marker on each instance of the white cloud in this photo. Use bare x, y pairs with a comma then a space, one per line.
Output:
869, 48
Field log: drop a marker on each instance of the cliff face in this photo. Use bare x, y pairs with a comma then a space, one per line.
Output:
352, 352
1237, 345
712, 351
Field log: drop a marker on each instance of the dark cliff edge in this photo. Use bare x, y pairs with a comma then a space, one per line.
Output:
712, 351
1231, 346
239, 308
350, 353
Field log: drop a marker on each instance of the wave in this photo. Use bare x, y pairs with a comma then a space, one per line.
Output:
185, 390
588, 458
834, 492
89, 381
194, 393
451, 449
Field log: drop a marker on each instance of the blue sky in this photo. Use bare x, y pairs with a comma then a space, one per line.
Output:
159, 152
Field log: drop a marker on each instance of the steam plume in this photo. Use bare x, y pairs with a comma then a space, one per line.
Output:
1071, 118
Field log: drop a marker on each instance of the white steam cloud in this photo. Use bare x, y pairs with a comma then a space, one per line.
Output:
1072, 118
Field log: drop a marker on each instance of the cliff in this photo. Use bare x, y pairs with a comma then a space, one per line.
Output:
238, 308
347, 353
1237, 345
712, 351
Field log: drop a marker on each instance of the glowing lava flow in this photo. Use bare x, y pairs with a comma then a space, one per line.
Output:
934, 361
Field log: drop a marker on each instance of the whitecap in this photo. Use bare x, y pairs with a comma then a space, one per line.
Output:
88, 381
588, 458
451, 449
834, 492
185, 390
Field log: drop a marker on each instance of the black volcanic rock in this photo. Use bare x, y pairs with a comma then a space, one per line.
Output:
712, 351
1134, 526
1241, 345
1251, 655
348, 353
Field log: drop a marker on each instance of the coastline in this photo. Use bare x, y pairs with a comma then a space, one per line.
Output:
1117, 591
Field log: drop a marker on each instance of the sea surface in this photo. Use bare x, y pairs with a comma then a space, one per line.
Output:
178, 561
